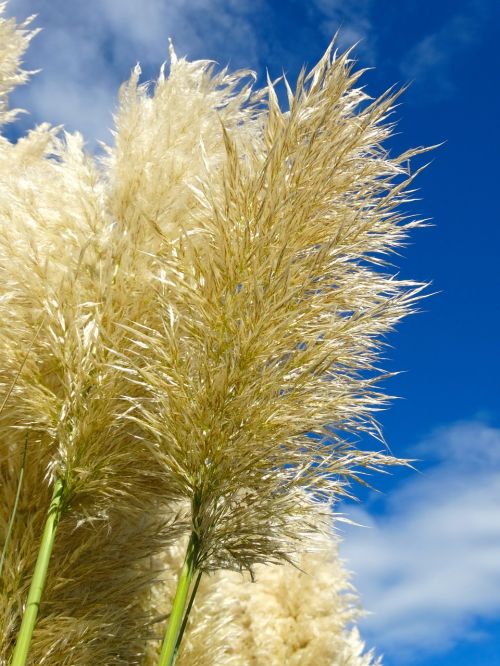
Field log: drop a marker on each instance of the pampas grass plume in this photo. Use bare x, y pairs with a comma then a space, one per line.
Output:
272, 292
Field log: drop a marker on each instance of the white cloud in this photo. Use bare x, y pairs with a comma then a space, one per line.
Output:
428, 566
87, 49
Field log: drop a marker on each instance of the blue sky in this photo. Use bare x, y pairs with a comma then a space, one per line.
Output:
428, 564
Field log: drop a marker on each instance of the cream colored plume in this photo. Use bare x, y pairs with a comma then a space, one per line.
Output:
67, 275
272, 294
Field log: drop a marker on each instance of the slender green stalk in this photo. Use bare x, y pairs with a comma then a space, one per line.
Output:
23, 643
21, 474
170, 647
14, 508
14, 381
186, 614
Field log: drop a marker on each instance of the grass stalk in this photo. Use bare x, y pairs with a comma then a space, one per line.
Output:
21, 473
188, 611
170, 644
14, 509
23, 643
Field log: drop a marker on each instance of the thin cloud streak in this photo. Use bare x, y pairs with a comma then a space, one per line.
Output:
429, 63
353, 22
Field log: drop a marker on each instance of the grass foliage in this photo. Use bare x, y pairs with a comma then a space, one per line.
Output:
191, 329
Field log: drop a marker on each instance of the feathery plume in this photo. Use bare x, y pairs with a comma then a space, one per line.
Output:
270, 307
66, 277
272, 294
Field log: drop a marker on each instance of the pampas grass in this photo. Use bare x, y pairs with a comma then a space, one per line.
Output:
271, 300
194, 320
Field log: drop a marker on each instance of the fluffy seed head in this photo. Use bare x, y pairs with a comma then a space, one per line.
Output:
271, 296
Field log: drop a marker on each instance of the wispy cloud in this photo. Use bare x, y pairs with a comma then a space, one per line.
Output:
87, 49
428, 566
430, 62
352, 20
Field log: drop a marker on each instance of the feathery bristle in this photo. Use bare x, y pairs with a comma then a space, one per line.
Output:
14, 40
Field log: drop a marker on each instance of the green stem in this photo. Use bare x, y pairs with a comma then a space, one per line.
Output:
23, 643
188, 611
168, 650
